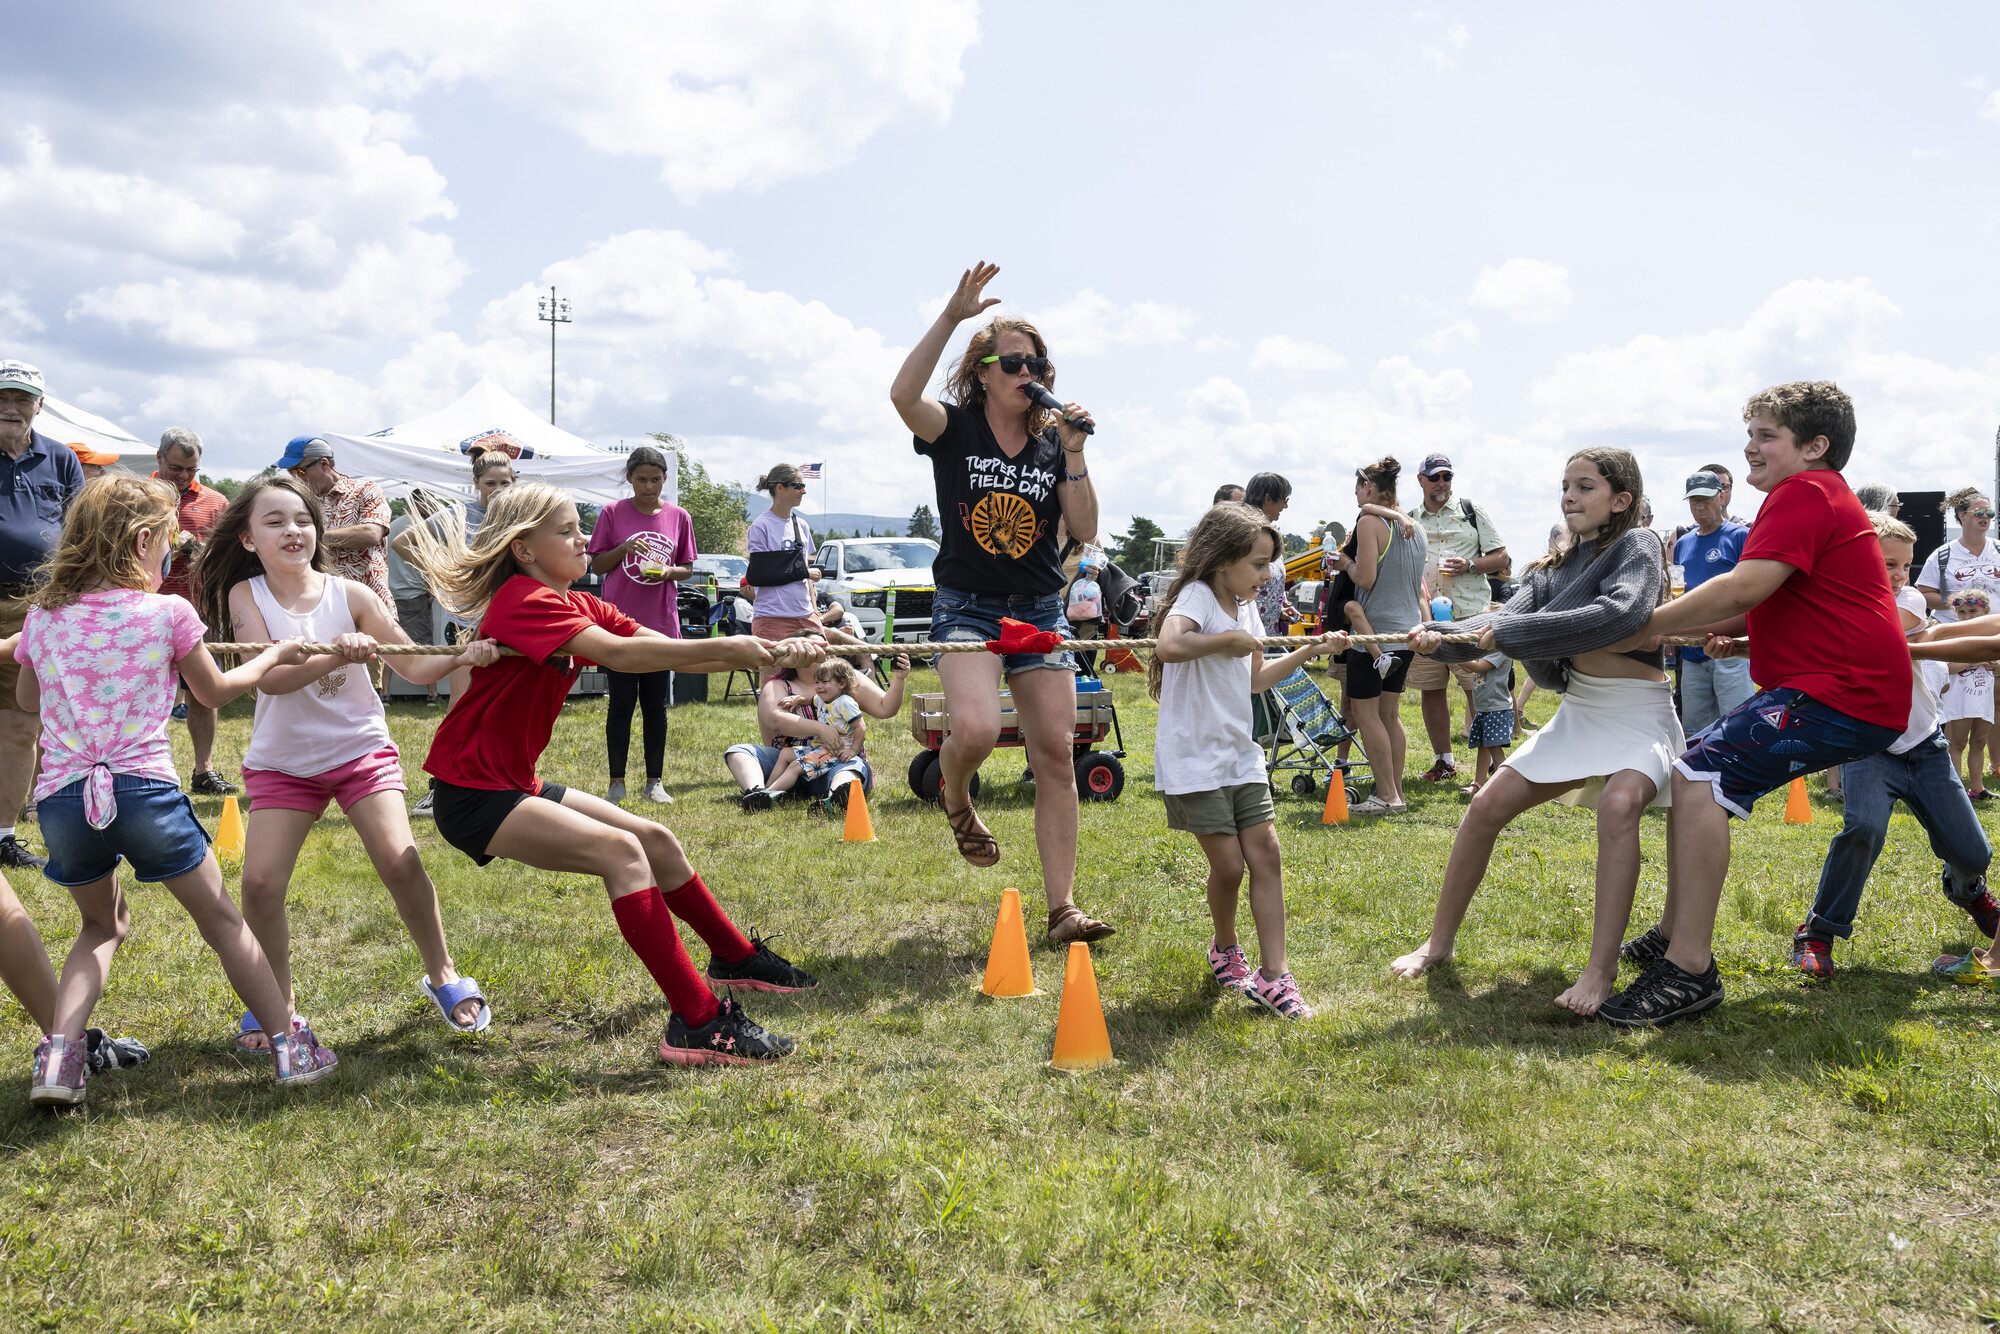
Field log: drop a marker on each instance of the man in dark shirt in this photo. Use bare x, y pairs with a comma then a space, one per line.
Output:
38, 479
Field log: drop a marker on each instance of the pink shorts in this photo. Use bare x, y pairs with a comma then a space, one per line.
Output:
380, 772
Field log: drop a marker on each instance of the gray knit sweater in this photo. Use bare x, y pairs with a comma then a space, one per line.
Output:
1586, 603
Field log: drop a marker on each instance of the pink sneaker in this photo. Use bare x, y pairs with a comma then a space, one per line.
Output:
300, 1059
1279, 995
58, 1078
1232, 971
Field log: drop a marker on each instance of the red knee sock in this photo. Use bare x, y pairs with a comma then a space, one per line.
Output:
693, 904
649, 929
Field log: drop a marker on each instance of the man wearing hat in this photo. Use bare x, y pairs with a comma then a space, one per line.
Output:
1710, 687
96, 462
178, 464
1463, 549
357, 520
38, 479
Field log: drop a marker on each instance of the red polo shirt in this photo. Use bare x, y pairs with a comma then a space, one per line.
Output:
200, 507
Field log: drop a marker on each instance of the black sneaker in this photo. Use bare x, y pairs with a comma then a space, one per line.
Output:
759, 799
14, 856
731, 1038
1646, 949
1663, 993
109, 1053
1444, 771
211, 784
764, 970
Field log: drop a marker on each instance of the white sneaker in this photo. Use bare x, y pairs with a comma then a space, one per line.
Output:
615, 794
656, 791
423, 808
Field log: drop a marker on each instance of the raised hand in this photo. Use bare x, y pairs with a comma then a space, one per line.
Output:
966, 302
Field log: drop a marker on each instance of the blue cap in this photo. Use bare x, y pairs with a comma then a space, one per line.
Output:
301, 450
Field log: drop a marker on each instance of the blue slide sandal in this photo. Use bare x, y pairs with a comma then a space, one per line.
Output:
454, 994
250, 1025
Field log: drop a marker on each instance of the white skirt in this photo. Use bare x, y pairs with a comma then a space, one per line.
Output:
1605, 725
1967, 695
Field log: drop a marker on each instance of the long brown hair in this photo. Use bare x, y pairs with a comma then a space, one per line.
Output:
96, 548
1620, 472
1225, 535
225, 562
964, 387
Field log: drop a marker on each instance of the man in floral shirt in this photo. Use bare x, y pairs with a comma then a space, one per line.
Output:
357, 520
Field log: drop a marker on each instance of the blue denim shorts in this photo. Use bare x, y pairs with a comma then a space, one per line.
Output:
1772, 738
956, 617
767, 762
155, 830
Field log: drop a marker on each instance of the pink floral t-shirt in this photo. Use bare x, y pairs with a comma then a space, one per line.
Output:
106, 667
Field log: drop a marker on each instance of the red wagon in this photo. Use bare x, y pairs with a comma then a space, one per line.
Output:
1099, 774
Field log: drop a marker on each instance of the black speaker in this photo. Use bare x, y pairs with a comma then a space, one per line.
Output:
1924, 512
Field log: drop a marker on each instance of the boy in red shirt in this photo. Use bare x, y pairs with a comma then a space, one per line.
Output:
1826, 644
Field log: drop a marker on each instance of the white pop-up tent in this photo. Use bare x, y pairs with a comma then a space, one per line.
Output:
431, 451
71, 425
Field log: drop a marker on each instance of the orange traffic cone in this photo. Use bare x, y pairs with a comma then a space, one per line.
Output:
229, 838
1798, 810
860, 829
1336, 799
1008, 971
1082, 1041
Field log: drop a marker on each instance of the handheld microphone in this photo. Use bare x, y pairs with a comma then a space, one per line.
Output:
1040, 395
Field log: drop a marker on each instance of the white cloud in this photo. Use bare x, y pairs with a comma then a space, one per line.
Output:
1452, 37
1458, 331
1214, 343
1286, 355
723, 96
1991, 108
1924, 154
1532, 291
1221, 400
1090, 323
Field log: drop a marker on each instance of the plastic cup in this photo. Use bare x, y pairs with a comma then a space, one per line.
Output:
1677, 579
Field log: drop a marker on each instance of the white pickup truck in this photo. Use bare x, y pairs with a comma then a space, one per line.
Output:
862, 571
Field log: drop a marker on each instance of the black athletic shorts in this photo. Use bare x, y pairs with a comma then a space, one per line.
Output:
469, 817
1364, 682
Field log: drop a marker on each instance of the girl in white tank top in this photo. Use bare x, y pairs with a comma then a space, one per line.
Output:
320, 733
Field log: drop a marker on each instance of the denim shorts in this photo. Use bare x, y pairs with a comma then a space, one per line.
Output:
1772, 738
767, 763
155, 830
957, 617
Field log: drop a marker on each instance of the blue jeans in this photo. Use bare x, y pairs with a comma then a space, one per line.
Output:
1711, 687
1924, 780
155, 830
958, 616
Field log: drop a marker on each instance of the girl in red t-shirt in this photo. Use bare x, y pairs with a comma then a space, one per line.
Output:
513, 578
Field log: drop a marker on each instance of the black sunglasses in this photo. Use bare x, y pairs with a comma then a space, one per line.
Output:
1437, 477
1011, 365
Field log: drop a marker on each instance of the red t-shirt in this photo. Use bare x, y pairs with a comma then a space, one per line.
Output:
492, 738
1831, 629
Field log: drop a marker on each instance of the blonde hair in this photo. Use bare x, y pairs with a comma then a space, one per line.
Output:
1889, 529
1225, 535
463, 575
1961, 500
96, 549
833, 669
781, 474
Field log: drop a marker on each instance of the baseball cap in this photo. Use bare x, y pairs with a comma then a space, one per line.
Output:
301, 450
20, 375
97, 458
1433, 465
1703, 483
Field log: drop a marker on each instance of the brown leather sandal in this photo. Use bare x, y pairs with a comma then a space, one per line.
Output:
1069, 923
977, 846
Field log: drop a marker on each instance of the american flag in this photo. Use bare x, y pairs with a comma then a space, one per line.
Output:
810, 471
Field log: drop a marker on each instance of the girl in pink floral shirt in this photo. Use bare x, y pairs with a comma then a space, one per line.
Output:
100, 652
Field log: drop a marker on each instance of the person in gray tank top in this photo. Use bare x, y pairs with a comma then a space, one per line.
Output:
1388, 571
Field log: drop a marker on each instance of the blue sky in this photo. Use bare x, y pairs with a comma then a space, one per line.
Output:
1287, 237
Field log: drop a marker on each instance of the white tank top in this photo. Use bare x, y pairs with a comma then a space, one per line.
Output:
335, 720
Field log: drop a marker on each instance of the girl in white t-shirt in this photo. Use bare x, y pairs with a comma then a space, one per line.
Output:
1206, 761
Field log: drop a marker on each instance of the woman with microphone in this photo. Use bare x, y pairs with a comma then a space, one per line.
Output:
1008, 466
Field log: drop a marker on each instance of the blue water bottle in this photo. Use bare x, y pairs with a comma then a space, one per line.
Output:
1440, 608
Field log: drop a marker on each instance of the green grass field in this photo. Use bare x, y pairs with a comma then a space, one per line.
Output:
1450, 1154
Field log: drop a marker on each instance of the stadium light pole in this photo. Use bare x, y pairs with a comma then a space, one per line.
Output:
555, 312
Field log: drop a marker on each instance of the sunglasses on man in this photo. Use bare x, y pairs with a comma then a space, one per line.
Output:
1011, 365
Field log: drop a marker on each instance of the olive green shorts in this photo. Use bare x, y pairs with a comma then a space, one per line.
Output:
1224, 810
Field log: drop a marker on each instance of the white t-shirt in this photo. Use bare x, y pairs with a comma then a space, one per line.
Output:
1923, 703
1965, 571
1204, 738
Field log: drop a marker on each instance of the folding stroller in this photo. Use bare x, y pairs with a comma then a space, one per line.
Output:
1300, 729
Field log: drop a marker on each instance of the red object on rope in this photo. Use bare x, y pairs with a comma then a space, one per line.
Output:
1020, 637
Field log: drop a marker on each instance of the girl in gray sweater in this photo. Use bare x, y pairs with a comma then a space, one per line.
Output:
1615, 736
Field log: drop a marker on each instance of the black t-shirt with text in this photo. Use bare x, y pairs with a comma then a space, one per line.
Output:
997, 514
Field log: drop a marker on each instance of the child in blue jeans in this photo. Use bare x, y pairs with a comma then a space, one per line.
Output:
100, 652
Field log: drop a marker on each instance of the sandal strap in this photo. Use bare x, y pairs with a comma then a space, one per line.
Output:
969, 839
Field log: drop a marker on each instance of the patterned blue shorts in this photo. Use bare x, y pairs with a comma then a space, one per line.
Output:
1772, 738
1493, 729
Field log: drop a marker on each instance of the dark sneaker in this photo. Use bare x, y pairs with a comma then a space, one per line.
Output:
763, 970
1444, 771
1645, 949
179, 713
759, 799
1663, 993
731, 1038
211, 784
1811, 955
109, 1053
1985, 913
14, 856
58, 1077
